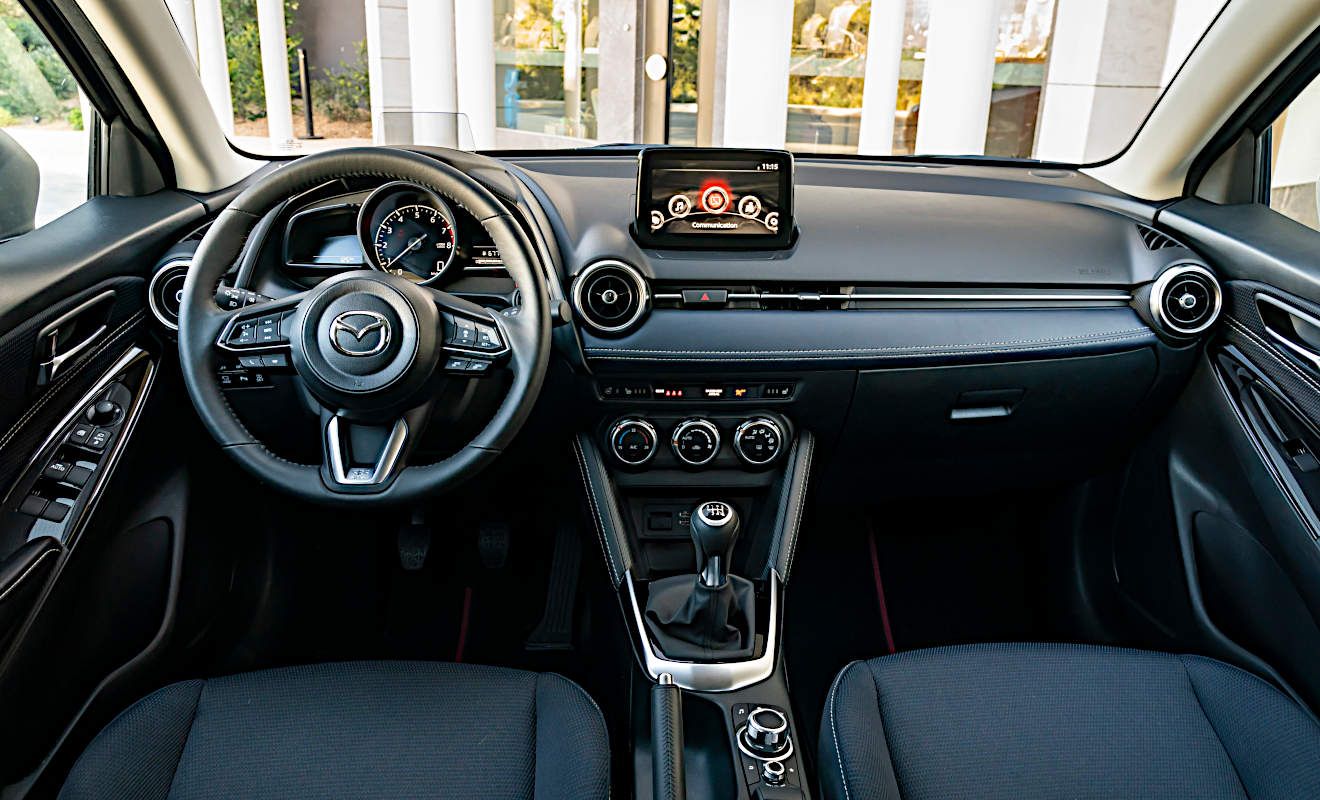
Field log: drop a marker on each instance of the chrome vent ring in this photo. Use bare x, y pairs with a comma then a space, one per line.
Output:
164, 291
1186, 299
611, 297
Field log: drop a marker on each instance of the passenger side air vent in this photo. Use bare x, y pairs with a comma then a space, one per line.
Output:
1185, 300
165, 290
1154, 240
611, 297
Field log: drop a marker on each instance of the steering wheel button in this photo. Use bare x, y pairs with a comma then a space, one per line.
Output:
478, 366
456, 365
250, 362
274, 360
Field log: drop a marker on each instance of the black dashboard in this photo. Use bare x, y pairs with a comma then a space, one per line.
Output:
969, 316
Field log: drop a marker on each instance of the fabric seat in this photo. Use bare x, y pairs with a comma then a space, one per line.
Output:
359, 730
1061, 721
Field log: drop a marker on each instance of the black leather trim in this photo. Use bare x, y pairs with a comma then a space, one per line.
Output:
605, 514
792, 501
22, 577
668, 781
860, 339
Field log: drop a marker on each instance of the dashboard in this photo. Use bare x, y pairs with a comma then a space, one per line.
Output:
983, 323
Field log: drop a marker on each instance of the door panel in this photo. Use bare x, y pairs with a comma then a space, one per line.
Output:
1240, 450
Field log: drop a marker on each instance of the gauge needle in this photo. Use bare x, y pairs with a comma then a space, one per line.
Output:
413, 245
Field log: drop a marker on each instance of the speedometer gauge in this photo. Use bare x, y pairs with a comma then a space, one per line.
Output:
414, 241
407, 230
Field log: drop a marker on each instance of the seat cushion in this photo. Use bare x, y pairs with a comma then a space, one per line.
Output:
361, 730
1054, 721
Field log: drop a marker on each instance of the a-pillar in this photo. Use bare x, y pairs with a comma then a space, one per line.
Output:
958, 77
1106, 68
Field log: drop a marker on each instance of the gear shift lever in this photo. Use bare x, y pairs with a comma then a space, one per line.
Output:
714, 533
710, 616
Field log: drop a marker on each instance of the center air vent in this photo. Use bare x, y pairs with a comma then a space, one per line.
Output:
165, 290
611, 297
1185, 299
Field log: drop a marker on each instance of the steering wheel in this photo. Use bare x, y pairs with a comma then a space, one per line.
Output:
369, 346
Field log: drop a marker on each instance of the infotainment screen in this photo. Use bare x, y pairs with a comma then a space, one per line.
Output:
714, 199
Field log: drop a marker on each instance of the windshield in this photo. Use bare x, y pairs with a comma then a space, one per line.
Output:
1050, 80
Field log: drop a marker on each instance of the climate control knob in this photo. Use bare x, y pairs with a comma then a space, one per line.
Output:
758, 441
696, 442
633, 441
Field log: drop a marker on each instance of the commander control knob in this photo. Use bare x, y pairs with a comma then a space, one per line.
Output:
766, 734
696, 442
758, 441
633, 441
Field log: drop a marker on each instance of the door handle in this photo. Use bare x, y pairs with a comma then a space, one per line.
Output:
1296, 330
62, 342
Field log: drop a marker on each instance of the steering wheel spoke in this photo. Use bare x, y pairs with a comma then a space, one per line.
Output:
366, 456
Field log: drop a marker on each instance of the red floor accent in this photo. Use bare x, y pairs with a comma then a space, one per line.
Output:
463, 625
880, 592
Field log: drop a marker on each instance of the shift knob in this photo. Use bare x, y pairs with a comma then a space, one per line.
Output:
714, 533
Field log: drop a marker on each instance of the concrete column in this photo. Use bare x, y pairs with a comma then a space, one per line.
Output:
573, 68
619, 77
884, 56
958, 77
431, 46
474, 26
1105, 73
758, 37
185, 20
388, 65
275, 70
212, 63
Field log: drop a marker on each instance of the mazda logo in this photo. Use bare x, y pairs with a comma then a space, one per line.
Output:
359, 334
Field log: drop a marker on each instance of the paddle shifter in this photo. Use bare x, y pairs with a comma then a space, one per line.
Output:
709, 616
714, 533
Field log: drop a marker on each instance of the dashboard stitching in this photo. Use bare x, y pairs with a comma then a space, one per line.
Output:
26, 572
53, 390
595, 508
842, 355
1107, 335
802, 503
1270, 349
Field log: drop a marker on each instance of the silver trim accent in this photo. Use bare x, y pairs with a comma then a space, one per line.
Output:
169, 266
723, 676
643, 294
1156, 299
695, 422
628, 421
1021, 297
1302, 352
368, 247
385, 463
743, 428
715, 523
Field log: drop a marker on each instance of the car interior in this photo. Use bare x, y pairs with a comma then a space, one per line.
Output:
661, 469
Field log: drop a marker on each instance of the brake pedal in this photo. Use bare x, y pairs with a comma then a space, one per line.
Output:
493, 544
414, 543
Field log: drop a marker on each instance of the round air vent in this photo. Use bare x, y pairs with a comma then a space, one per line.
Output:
165, 290
1185, 299
611, 296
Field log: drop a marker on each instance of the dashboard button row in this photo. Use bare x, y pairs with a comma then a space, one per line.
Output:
631, 390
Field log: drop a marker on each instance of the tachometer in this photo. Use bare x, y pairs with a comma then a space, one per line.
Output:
409, 231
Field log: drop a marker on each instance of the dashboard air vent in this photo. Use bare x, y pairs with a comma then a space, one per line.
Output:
611, 296
165, 290
1154, 240
1185, 299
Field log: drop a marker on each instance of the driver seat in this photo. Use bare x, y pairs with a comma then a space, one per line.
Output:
357, 729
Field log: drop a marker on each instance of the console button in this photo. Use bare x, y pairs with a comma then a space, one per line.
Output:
705, 297
777, 391
58, 471
696, 442
102, 413
633, 441
767, 732
98, 439
80, 433
758, 441
33, 505
78, 476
